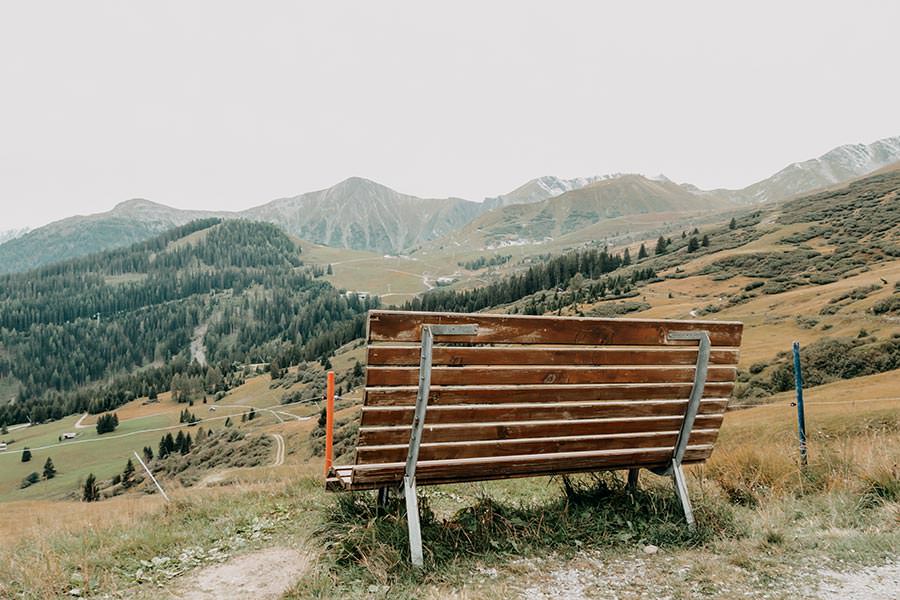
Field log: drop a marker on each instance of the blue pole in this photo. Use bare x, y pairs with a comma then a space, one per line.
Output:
801, 417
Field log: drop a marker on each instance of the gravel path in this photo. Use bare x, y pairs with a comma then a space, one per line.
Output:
263, 575
874, 583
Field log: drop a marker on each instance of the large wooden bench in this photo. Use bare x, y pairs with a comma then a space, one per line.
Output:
470, 397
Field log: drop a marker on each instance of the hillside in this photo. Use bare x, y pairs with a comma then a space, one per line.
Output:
601, 201
355, 213
823, 269
129, 222
360, 214
196, 302
363, 215
835, 166
540, 189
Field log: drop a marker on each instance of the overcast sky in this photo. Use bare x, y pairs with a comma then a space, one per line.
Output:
227, 105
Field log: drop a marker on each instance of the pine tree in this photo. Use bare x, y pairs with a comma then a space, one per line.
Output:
228, 422
695, 231
683, 235
642, 252
705, 241
148, 453
162, 451
179, 442
626, 258
661, 246
128, 473
186, 444
693, 245
252, 414
26, 454
91, 491
4, 430
275, 369
49, 469
732, 224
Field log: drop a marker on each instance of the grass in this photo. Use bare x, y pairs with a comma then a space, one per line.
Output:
586, 512
763, 521
106, 553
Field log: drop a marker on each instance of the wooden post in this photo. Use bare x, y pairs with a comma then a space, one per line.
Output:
329, 423
801, 415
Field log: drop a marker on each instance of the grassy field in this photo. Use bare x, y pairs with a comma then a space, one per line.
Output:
141, 424
760, 514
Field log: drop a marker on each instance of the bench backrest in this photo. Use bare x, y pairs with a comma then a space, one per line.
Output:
537, 395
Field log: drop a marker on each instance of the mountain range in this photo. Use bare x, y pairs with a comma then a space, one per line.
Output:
364, 215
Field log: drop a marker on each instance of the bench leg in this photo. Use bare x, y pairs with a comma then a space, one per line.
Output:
383, 495
681, 490
633, 479
412, 522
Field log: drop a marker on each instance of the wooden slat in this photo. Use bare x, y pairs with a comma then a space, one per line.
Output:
377, 436
456, 450
515, 375
408, 355
444, 395
398, 326
504, 466
375, 416
692, 456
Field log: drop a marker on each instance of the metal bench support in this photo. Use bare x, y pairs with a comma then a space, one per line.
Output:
633, 479
674, 469
415, 436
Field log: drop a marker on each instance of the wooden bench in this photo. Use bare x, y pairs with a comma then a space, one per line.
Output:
470, 397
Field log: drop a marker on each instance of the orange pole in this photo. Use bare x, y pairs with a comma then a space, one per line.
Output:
329, 423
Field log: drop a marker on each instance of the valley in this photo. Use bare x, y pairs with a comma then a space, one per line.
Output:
271, 313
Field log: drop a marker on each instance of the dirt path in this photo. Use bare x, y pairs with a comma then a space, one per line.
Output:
279, 450
78, 424
874, 583
261, 575
666, 576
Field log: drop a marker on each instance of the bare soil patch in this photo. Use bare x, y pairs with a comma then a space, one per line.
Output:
261, 575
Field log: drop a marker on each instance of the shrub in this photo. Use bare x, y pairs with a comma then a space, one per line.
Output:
29, 480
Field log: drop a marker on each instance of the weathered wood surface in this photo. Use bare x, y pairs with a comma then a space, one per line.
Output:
532, 375
534, 396
374, 436
450, 395
502, 467
408, 355
473, 449
400, 326
441, 415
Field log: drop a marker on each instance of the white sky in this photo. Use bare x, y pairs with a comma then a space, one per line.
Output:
227, 105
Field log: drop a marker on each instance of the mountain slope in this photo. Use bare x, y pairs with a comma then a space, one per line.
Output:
355, 213
97, 331
11, 234
838, 165
606, 199
541, 188
835, 166
363, 215
129, 222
